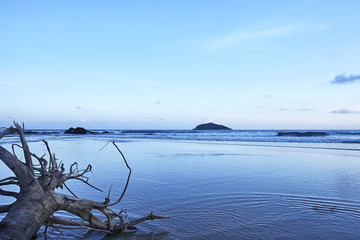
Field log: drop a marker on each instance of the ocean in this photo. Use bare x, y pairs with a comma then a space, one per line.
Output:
241, 184
342, 138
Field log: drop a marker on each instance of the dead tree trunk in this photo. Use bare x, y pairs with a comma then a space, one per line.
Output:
36, 202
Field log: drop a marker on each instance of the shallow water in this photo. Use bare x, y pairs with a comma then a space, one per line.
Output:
217, 190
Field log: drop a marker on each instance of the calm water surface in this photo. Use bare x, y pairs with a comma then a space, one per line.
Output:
219, 190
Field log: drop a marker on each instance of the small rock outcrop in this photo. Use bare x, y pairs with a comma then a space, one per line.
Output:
211, 126
31, 132
302, 134
78, 130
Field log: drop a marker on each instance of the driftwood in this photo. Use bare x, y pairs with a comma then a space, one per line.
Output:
37, 201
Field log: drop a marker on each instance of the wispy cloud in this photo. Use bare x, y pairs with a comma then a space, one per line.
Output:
82, 120
345, 111
306, 109
342, 79
233, 39
269, 96
239, 37
296, 109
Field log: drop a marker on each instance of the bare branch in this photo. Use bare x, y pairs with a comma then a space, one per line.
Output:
8, 179
53, 226
52, 164
48, 148
10, 182
80, 207
27, 154
88, 169
73, 224
7, 131
107, 200
151, 216
16, 166
78, 175
9, 193
71, 167
65, 202
128, 179
70, 191
86, 182
41, 160
75, 173
5, 208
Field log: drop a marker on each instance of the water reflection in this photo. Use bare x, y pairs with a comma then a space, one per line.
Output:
135, 235
222, 191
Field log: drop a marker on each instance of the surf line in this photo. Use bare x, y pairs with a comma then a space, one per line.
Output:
302, 147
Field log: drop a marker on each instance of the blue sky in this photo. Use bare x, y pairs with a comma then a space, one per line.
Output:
176, 64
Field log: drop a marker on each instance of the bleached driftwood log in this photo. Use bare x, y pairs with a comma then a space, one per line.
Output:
37, 201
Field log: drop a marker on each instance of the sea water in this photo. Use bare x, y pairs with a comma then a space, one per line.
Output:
217, 185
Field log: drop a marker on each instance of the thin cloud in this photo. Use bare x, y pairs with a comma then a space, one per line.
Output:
239, 37
345, 111
269, 96
343, 79
306, 109
296, 109
233, 39
82, 120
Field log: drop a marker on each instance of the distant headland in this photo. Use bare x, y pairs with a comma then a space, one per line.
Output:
211, 126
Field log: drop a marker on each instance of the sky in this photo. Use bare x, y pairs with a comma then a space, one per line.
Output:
253, 64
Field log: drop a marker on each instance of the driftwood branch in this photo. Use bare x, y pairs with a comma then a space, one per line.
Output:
27, 154
87, 225
151, 216
37, 200
9, 193
70, 224
128, 179
7, 131
41, 160
87, 183
9, 181
5, 208
16, 166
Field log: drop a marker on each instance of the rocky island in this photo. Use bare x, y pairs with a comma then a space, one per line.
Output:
78, 130
211, 126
